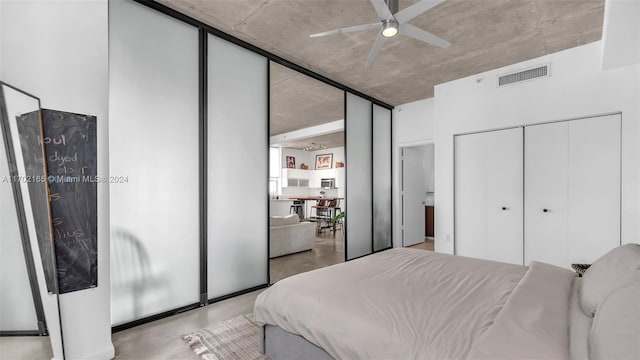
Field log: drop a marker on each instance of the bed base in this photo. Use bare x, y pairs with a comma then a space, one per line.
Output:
279, 344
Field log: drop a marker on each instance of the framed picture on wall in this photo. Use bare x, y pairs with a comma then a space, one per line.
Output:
324, 161
291, 162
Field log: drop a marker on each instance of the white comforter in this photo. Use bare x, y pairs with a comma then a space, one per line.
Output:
415, 304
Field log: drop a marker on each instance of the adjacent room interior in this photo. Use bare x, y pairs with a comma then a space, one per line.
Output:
306, 173
417, 194
173, 169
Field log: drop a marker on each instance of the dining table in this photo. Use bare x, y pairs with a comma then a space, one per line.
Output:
330, 211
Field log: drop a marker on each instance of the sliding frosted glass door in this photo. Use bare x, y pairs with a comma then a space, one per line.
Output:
153, 132
359, 156
238, 173
381, 178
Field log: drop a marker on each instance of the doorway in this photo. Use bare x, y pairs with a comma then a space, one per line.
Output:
417, 196
307, 180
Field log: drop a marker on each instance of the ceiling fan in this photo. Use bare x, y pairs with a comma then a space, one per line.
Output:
393, 22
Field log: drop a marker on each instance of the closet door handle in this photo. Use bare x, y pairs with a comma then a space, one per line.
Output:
545, 210
504, 208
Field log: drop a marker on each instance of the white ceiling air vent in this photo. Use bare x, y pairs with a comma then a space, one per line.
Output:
524, 75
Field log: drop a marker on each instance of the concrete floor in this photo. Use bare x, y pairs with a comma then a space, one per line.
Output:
426, 245
329, 250
162, 339
25, 348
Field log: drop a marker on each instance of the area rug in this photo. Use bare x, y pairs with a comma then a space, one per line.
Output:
233, 339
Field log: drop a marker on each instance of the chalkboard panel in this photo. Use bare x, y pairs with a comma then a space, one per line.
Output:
70, 145
29, 130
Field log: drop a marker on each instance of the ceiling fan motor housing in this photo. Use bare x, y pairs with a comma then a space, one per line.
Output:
389, 27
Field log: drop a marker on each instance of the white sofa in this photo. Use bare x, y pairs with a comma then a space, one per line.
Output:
289, 235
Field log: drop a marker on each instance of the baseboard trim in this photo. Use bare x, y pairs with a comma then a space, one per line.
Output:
20, 333
155, 317
238, 293
106, 353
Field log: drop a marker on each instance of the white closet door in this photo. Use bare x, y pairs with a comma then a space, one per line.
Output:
594, 187
470, 195
504, 199
546, 175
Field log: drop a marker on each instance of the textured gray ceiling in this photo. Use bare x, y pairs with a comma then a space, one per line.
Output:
299, 101
328, 141
486, 34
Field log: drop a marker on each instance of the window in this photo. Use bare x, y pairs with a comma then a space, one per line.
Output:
275, 169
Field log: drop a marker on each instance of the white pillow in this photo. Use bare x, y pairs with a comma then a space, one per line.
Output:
617, 268
615, 333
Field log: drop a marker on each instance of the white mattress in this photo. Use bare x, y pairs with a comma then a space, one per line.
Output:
406, 303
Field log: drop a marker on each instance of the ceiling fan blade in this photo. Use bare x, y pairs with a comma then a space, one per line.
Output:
374, 50
419, 34
382, 9
416, 9
348, 29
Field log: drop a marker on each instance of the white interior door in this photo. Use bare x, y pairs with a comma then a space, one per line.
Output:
413, 193
470, 195
504, 195
594, 187
546, 179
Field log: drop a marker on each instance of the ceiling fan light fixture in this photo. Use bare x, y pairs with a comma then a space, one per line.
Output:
314, 147
391, 19
389, 28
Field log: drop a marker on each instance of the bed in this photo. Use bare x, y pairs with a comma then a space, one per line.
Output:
415, 304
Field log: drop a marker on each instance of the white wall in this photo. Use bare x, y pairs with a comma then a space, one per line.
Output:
17, 311
577, 87
429, 166
1, 42
309, 157
302, 157
621, 33
57, 50
413, 124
